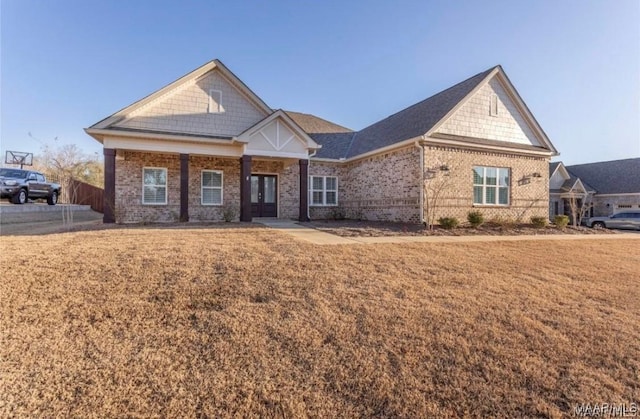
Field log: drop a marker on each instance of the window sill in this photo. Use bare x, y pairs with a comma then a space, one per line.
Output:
323, 206
154, 204
211, 205
491, 205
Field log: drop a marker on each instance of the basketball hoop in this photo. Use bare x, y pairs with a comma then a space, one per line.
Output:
19, 157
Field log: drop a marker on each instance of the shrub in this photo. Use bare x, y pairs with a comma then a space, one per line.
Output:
337, 214
561, 221
448, 223
475, 218
539, 222
229, 212
503, 222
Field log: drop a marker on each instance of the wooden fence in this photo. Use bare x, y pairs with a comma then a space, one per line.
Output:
77, 192
85, 194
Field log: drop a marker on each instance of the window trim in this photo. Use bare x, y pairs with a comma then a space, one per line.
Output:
324, 191
496, 186
166, 185
202, 187
211, 102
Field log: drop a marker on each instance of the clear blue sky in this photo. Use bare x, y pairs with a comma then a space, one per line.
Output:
66, 64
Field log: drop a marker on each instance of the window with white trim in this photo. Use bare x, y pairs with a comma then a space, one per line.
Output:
211, 192
215, 101
154, 186
323, 190
490, 185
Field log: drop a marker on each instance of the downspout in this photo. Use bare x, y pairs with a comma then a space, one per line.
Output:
308, 176
420, 146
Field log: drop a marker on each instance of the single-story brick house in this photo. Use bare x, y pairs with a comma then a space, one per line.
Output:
608, 187
206, 147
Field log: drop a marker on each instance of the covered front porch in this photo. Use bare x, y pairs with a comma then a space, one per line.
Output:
164, 187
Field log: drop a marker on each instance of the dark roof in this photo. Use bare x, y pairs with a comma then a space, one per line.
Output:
553, 166
311, 124
414, 120
609, 177
334, 146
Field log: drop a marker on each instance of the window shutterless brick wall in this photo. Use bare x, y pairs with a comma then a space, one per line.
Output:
129, 207
528, 195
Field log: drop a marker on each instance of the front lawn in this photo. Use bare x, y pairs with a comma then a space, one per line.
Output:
220, 321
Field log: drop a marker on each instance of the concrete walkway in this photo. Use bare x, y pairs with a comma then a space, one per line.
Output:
311, 235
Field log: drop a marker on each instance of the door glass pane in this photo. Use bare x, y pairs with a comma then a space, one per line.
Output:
254, 189
269, 189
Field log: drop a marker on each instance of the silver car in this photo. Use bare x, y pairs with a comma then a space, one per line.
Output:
628, 220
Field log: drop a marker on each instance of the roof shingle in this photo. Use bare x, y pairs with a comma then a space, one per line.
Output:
610, 177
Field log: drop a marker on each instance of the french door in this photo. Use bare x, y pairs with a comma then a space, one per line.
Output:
264, 196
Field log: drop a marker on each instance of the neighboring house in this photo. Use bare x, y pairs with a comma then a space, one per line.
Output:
205, 147
567, 193
615, 185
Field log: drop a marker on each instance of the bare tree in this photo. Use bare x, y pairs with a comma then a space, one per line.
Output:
436, 180
577, 208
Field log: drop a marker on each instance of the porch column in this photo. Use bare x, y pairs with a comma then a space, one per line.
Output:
109, 205
304, 190
184, 188
245, 188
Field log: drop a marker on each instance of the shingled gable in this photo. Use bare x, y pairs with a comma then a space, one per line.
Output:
115, 121
424, 119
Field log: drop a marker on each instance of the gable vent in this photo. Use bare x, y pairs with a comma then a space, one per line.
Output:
493, 105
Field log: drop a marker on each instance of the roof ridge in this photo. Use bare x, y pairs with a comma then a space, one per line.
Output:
353, 137
606, 161
434, 95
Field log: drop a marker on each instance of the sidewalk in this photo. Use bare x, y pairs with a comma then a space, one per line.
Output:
314, 236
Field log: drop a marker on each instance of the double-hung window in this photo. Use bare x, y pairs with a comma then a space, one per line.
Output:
154, 186
324, 190
490, 185
211, 187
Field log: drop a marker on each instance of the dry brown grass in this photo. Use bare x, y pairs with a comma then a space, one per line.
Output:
245, 321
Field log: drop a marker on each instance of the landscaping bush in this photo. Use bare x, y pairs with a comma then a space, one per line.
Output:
503, 222
475, 218
539, 222
448, 223
561, 221
229, 212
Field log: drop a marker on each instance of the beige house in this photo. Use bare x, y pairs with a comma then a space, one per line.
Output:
600, 188
206, 148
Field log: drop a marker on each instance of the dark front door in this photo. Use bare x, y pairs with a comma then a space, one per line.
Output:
264, 192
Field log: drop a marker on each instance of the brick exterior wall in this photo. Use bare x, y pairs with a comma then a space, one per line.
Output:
527, 198
129, 207
384, 187
186, 110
